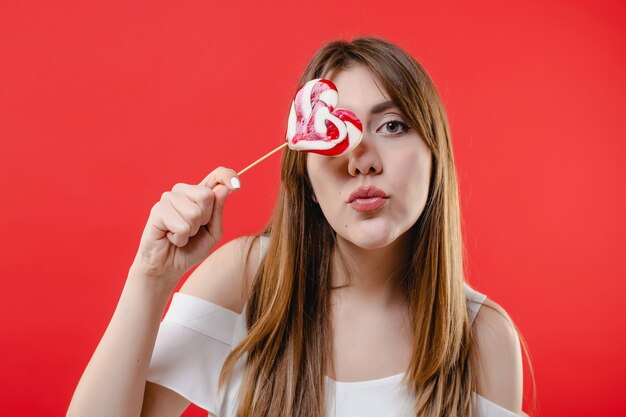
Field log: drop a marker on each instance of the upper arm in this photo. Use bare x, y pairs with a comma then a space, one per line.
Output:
223, 278
498, 357
159, 401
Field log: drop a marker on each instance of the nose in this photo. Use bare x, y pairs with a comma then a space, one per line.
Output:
364, 159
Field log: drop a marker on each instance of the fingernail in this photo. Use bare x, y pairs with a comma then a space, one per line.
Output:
235, 182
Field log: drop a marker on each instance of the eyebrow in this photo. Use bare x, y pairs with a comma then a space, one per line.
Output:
381, 107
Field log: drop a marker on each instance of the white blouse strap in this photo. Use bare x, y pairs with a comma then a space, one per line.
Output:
264, 243
475, 300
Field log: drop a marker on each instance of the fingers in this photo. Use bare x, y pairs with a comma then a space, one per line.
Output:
222, 181
194, 204
215, 225
182, 211
222, 176
195, 213
169, 220
201, 196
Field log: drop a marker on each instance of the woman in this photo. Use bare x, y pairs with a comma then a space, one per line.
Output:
351, 302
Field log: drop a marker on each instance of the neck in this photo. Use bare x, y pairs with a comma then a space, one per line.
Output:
371, 275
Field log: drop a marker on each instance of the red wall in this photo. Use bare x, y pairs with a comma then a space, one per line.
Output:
104, 105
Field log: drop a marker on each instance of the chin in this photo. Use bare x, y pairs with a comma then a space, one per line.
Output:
372, 234
372, 244
368, 240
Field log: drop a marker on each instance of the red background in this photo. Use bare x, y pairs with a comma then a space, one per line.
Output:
105, 105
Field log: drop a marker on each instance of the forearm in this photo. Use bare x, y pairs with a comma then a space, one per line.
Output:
114, 381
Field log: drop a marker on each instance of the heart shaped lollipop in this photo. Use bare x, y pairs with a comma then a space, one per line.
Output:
315, 125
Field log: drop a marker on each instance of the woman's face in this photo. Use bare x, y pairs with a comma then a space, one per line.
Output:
375, 193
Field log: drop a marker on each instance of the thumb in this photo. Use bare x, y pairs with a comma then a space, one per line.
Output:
215, 225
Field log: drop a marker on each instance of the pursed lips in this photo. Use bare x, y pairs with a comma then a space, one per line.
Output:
366, 199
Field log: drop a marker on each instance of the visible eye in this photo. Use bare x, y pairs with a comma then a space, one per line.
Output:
394, 127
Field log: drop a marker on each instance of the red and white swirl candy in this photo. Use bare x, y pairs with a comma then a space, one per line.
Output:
315, 125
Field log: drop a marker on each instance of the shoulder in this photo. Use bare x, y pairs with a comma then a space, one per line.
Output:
226, 275
498, 357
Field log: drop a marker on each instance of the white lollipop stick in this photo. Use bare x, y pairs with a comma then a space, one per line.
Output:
267, 155
262, 158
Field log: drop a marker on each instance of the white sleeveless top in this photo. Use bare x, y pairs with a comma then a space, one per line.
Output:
196, 335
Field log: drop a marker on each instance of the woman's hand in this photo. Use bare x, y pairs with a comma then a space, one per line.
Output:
184, 226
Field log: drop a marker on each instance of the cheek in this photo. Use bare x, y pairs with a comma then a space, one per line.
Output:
412, 172
319, 176
314, 169
412, 160
325, 172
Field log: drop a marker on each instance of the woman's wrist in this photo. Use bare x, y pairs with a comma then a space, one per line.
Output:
158, 287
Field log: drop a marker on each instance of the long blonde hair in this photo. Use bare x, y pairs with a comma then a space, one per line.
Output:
289, 341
